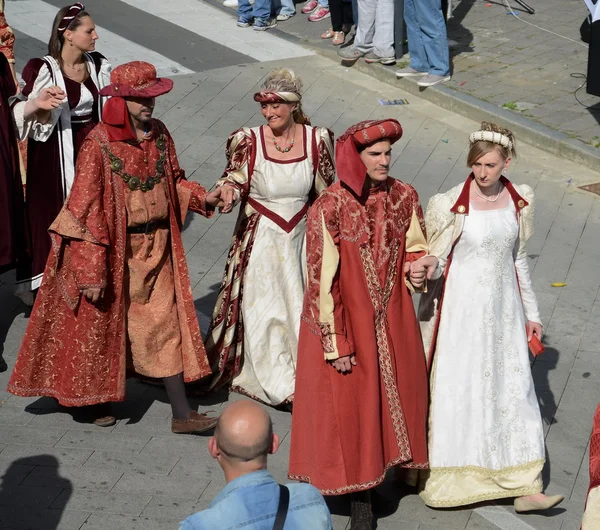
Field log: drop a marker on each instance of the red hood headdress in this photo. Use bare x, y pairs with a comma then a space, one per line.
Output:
350, 168
135, 79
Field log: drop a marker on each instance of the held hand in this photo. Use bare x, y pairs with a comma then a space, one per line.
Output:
92, 294
344, 364
421, 269
534, 328
214, 198
227, 197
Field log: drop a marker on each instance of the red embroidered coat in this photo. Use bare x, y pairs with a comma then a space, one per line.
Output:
348, 430
75, 350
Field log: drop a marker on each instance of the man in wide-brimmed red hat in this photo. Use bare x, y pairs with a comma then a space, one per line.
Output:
360, 406
116, 294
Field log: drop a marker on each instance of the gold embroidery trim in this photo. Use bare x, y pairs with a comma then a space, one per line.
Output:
501, 493
363, 485
380, 300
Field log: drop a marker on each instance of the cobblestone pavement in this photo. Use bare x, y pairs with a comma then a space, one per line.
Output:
58, 473
505, 61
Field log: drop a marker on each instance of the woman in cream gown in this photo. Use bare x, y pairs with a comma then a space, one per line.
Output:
275, 171
486, 438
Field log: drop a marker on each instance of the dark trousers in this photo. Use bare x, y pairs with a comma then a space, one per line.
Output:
341, 15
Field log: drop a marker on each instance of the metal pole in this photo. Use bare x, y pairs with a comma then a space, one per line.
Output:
399, 28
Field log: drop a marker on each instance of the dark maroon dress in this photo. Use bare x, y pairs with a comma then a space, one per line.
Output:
12, 239
44, 195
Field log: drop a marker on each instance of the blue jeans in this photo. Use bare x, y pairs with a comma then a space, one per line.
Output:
261, 10
287, 7
427, 38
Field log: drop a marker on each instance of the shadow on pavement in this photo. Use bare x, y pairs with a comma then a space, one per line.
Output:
33, 504
541, 369
460, 38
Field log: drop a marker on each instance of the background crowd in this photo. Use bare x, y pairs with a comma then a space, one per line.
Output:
364, 29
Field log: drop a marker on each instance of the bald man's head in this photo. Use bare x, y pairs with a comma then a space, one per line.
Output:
244, 432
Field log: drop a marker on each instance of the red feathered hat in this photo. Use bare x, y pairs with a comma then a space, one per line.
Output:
350, 168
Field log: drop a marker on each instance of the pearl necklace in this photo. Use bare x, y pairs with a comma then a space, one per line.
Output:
285, 149
486, 198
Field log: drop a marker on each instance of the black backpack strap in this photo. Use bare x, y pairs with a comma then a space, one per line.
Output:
282, 509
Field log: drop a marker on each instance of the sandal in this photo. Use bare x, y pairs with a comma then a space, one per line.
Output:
328, 34
338, 38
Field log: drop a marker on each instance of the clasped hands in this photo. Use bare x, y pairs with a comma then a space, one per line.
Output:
418, 270
222, 197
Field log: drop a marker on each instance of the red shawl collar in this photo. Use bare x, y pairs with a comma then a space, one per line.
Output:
462, 204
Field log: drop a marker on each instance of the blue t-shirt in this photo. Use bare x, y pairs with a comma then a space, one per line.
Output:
250, 502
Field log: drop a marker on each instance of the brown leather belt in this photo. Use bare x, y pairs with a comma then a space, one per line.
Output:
148, 228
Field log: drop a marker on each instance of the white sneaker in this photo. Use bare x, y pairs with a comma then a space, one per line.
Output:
433, 79
230, 3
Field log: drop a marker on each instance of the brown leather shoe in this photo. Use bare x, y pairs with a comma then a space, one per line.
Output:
196, 424
105, 421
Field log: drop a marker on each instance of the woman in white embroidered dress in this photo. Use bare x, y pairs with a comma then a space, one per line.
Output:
276, 171
54, 137
486, 438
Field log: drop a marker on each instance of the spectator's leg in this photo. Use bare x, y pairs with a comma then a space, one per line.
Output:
355, 12
245, 10
262, 9
287, 7
336, 9
416, 48
434, 38
365, 31
347, 15
383, 41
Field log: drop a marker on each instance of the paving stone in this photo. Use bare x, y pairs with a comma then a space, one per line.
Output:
170, 507
176, 445
104, 502
127, 522
104, 442
38, 519
183, 488
12, 473
128, 462
31, 435
33, 497
80, 478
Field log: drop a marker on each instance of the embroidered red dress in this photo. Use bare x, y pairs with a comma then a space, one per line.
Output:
77, 351
348, 430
